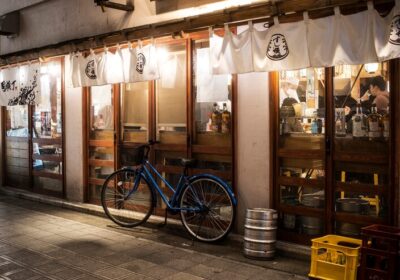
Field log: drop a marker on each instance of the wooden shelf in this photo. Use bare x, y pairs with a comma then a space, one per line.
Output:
48, 141
45, 174
297, 181
366, 189
358, 219
302, 210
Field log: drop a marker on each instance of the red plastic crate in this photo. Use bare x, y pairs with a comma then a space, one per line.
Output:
380, 256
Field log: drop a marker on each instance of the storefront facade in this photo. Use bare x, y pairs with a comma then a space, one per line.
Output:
266, 165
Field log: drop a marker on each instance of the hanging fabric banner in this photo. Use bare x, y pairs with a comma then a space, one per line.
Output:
88, 71
114, 68
387, 34
336, 40
210, 88
9, 85
231, 54
75, 62
281, 47
29, 85
143, 64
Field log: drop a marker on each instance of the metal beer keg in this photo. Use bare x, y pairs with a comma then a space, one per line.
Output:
260, 233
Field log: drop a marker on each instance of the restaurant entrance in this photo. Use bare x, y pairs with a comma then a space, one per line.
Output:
176, 110
335, 143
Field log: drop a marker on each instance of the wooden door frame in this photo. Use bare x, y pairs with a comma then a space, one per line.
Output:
394, 150
152, 107
31, 174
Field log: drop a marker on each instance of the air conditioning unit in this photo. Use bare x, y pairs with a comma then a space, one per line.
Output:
9, 24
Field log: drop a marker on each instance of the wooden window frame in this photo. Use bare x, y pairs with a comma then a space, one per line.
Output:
188, 41
32, 140
391, 190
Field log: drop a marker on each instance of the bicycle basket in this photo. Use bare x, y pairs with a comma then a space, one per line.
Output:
132, 156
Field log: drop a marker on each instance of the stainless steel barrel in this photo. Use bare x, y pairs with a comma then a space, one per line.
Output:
260, 233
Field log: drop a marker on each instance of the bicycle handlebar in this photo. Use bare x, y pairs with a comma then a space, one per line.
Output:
147, 147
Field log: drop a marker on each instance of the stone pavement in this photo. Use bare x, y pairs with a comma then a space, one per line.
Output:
39, 241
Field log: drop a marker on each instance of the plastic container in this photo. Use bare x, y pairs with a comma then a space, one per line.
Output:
380, 252
335, 257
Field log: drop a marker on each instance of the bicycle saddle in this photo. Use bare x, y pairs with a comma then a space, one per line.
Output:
188, 162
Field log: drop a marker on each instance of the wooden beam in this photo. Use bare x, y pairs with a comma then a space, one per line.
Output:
288, 11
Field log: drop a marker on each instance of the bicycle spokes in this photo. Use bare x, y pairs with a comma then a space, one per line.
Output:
215, 217
126, 199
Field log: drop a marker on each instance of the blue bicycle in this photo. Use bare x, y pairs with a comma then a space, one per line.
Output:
205, 202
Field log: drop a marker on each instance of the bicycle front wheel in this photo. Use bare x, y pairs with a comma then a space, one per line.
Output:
209, 210
126, 200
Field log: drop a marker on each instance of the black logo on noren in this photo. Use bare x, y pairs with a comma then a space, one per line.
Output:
394, 37
140, 62
90, 70
277, 47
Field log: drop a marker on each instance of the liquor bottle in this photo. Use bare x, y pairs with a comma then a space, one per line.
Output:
314, 126
358, 123
216, 119
386, 124
374, 124
226, 120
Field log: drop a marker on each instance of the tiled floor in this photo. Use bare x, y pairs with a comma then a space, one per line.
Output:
38, 241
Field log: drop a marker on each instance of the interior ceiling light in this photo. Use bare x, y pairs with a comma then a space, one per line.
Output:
113, 5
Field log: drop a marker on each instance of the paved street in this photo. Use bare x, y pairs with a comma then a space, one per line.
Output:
39, 241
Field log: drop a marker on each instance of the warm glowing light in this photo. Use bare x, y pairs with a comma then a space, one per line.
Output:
162, 54
303, 73
371, 67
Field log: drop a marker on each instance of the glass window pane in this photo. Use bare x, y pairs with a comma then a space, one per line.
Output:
171, 95
302, 109
134, 112
17, 121
17, 147
47, 124
301, 224
213, 101
101, 113
362, 108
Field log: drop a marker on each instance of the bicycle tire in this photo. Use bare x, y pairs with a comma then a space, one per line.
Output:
216, 221
124, 210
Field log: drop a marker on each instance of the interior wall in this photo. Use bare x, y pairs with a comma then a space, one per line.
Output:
252, 147
74, 184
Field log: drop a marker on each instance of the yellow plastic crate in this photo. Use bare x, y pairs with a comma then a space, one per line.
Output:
335, 257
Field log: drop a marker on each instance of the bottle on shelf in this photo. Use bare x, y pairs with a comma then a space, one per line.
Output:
314, 126
216, 119
358, 123
386, 124
340, 122
374, 124
226, 119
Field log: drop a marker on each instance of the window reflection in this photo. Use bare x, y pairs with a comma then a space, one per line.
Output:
302, 106
134, 113
171, 95
47, 122
213, 101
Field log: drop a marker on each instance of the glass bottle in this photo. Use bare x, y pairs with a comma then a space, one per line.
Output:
314, 126
216, 119
358, 123
374, 124
386, 124
226, 120
340, 122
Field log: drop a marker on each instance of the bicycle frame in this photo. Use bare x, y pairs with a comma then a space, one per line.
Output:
171, 203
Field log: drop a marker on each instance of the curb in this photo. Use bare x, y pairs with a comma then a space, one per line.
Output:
286, 249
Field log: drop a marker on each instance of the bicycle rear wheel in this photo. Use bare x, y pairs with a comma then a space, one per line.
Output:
215, 212
126, 200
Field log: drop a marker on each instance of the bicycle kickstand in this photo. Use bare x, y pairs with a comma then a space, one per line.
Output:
165, 219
